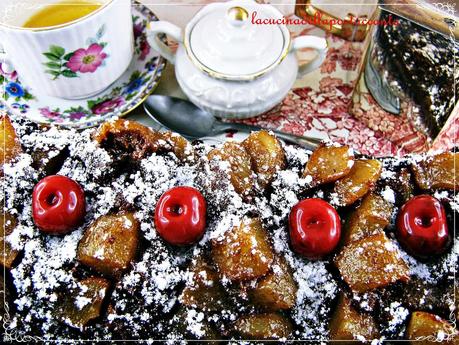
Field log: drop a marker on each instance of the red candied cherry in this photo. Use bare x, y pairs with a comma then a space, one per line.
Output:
180, 215
315, 228
58, 204
422, 227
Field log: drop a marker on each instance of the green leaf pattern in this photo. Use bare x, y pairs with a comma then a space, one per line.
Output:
58, 58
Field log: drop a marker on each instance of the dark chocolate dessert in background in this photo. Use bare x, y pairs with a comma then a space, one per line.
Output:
423, 61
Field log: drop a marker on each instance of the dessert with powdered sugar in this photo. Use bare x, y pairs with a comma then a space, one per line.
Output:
424, 63
252, 240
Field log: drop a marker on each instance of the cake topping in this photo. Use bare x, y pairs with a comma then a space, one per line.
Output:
242, 273
329, 163
12, 147
372, 262
58, 204
245, 253
360, 180
180, 215
315, 228
422, 227
110, 243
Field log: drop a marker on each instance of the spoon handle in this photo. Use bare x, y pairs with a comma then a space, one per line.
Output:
306, 142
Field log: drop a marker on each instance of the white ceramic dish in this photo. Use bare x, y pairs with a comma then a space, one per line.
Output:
230, 64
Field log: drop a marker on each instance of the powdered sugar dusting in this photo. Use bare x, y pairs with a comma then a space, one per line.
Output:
144, 301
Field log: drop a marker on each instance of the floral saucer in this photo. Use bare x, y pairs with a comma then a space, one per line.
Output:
125, 94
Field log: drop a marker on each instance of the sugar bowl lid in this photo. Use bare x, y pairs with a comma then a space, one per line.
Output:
237, 40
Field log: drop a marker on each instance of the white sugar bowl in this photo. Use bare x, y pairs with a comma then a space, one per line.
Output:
236, 59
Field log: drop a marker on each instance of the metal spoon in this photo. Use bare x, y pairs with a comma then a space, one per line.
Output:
187, 119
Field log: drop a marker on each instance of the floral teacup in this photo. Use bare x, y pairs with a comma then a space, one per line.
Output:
72, 60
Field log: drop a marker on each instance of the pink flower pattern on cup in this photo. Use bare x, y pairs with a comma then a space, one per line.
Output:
87, 60
61, 63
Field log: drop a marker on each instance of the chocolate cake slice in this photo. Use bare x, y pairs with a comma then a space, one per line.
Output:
425, 63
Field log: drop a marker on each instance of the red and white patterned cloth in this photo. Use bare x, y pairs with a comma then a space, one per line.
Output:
320, 105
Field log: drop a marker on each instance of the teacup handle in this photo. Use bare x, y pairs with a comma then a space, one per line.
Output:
7, 65
317, 43
159, 28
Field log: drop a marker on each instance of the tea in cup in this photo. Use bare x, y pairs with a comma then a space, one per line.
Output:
61, 12
67, 48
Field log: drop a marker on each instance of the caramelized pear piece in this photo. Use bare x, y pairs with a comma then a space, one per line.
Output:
110, 243
359, 181
132, 141
10, 146
7, 223
244, 253
181, 147
437, 172
84, 304
371, 263
424, 325
205, 291
263, 326
372, 216
329, 163
277, 290
348, 324
239, 161
266, 155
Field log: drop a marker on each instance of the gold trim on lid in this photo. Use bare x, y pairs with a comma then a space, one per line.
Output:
287, 41
234, 77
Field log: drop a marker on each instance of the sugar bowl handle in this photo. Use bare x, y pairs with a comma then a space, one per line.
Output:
318, 44
159, 28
